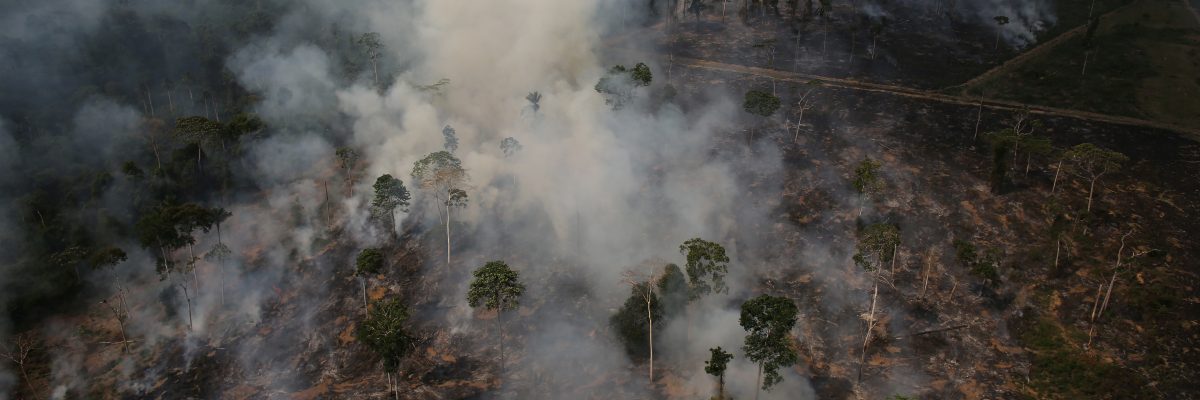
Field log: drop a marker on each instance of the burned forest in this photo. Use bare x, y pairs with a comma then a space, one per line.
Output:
599, 199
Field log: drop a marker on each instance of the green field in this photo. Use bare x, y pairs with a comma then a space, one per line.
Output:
1144, 62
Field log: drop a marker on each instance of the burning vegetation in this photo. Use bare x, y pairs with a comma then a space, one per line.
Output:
596, 199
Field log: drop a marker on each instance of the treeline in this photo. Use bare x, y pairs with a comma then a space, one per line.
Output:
74, 208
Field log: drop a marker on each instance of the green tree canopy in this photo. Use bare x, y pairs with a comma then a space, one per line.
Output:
368, 262
761, 103
384, 332
440, 170
390, 194
1091, 162
876, 243
706, 266
868, 180
768, 320
631, 322
169, 227
715, 366
496, 287
673, 286
450, 139
619, 83
510, 146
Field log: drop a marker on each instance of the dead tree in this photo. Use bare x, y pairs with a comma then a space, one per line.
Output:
19, 350
805, 103
643, 286
1103, 305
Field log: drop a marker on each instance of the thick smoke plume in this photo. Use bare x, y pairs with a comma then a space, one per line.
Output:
592, 193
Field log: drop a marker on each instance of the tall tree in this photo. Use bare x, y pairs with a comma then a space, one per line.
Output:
347, 158
510, 146
450, 139
384, 332
867, 181
534, 99
442, 174
498, 288
390, 194
768, 321
877, 244
1092, 162
642, 288
1001, 21
760, 103
373, 48
369, 262
706, 267
674, 290
715, 366
619, 84
198, 131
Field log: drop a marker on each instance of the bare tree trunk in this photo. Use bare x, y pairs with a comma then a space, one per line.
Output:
150, 100
447, 235
121, 325
189, 303
862, 358
375, 66
157, 158
978, 118
1083, 72
650, 318
170, 102
1091, 191
1092, 320
758, 382
195, 265
1057, 251
895, 249
721, 387
500, 338
928, 268
1057, 170
362, 280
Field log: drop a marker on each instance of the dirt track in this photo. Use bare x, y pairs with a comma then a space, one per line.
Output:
787, 76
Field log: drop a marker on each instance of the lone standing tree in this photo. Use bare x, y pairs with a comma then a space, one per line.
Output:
346, 158
372, 46
390, 194
1091, 162
442, 174
706, 267
1001, 21
450, 139
368, 263
760, 103
619, 83
497, 288
868, 182
384, 333
877, 244
642, 288
715, 366
510, 146
768, 321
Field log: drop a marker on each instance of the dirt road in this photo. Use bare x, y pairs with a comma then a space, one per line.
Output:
787, 76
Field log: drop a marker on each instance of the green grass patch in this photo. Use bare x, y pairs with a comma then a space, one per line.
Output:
1061, 369
1142, 63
